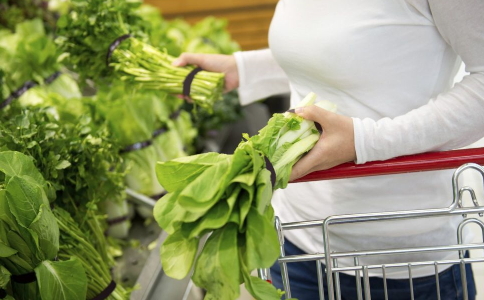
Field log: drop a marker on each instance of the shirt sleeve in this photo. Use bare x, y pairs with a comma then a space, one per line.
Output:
259, 76
452, 119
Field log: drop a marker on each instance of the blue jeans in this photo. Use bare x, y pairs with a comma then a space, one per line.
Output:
304, 283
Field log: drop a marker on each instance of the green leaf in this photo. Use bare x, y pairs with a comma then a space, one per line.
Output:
6, 251
14, 163
205, 190
217, 269
260, 289
245, 199
62, 280
168, 213
178, 173
262, 242
264, 191
24, 198
26, 247
178, 254
46, 228
62, 165
215, 218
4, 277
5, 214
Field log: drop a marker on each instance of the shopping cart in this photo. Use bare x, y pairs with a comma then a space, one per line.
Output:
328, 262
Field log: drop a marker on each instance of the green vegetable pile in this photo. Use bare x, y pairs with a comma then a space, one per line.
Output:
29, 236
83, 170
229, 198
87, 35
13, 12
79, 161
78, 143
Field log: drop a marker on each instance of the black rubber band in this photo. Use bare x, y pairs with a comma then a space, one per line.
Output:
187, 83
117, 220
24, 278
3, 294
136, 146
16, 94
115, 45
158, 196
174, 115
52, 77
271, 169
318, 127
158, 132
106, 292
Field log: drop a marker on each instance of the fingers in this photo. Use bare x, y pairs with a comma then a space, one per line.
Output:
306, 164
221, 63
335, 146
188, 59
314, 113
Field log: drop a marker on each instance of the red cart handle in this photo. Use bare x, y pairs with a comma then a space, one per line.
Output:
430, 161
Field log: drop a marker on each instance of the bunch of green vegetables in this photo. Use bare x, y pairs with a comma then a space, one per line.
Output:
29, 57
229, 198
83, 169
27, 54
210, 35
87, 35
29, 236
149, 127
13, 12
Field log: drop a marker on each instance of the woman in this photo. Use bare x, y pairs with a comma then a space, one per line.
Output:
389, 66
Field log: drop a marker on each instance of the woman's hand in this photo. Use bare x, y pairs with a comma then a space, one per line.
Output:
335, 146
220, 63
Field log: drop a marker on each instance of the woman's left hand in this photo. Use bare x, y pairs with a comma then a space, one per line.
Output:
335, 146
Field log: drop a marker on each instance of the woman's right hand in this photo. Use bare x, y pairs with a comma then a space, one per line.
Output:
220, 63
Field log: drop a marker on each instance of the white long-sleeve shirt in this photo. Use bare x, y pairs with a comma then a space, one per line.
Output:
388, 64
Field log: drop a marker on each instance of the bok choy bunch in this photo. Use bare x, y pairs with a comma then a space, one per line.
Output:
106, 39
228, 197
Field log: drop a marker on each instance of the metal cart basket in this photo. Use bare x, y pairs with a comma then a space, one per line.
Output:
328, 262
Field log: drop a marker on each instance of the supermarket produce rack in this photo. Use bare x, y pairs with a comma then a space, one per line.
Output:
327, 262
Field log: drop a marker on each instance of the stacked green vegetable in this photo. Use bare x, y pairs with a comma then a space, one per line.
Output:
88, 32
13, 12
210, 35
4, 283
149, 127
229, 197
83, 170
29, 58
29, 236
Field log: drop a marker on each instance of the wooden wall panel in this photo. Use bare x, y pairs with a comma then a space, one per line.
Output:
248, 20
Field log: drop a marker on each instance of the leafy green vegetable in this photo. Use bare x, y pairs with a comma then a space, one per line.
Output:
4, 282
82, 167
215, 269
136, 117
13, 12
30, 235
73, 240
27, 54
88, 31
228, 197
57, 281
